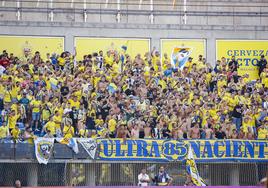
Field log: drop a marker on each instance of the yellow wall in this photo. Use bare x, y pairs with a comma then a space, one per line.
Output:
16, 44
86, 45
247, 52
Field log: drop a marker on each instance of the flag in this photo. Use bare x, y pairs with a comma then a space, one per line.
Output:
43, 149
180, 56
70, 142
89, 145
73, 144
192, 170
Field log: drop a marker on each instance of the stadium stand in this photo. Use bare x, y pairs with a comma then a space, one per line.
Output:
113, 95
133, 92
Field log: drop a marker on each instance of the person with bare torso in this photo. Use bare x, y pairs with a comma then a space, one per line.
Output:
102, 85
195, 132
147, 131
234, 134
135, 132
208, 131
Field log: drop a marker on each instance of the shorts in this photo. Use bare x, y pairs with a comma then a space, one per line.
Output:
36, 116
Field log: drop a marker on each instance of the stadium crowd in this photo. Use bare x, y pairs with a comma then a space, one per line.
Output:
112, 95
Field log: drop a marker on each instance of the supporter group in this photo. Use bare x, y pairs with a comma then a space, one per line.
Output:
109, 94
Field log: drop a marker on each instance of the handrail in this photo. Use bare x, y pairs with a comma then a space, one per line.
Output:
190, 4
138, 12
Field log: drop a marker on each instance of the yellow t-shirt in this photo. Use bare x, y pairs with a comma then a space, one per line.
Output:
57, 121
155, 60
14, 92
265, 82
68, 131
51, 126
200, 65
45, 114
109, 60
36, 106
2, 90
74, 104
246, 125
78, 94
61, 61
112, 125
15, 133
3, 131
262, 133
7, 96
220, 84
116, 68
232, 102
99, 121
83, 133
12, 120
60, 110
14, 107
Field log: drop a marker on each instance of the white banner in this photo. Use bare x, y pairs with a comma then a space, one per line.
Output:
192, 169
43, 149
90, 145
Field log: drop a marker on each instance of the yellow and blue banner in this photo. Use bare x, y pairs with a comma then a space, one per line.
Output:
192, 170
17, 44
130, 46
246, 52
173, 150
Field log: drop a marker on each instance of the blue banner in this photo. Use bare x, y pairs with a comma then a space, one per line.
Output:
173, 150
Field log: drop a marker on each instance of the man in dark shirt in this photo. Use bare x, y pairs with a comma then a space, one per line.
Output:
237, 117
104, 110
64, 90
166, 132
162, 178
262, 64
220, 134
233, 64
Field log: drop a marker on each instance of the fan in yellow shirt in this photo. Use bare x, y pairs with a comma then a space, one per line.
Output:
57, 120
4, 132
109, 59
68, 130
83, 133
15, 133
74, 102
7, 95
165, 61
263, 132
12, 120
112, 125
36, 105
247, 123
50, 126
99, 121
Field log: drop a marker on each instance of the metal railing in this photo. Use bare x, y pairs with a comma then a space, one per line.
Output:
123, 174
208, 9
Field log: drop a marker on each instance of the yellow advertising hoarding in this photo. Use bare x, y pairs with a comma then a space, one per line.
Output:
246, 52
194, 48
89, 45
17, 44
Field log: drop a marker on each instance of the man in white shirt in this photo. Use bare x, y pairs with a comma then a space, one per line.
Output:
143, 178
